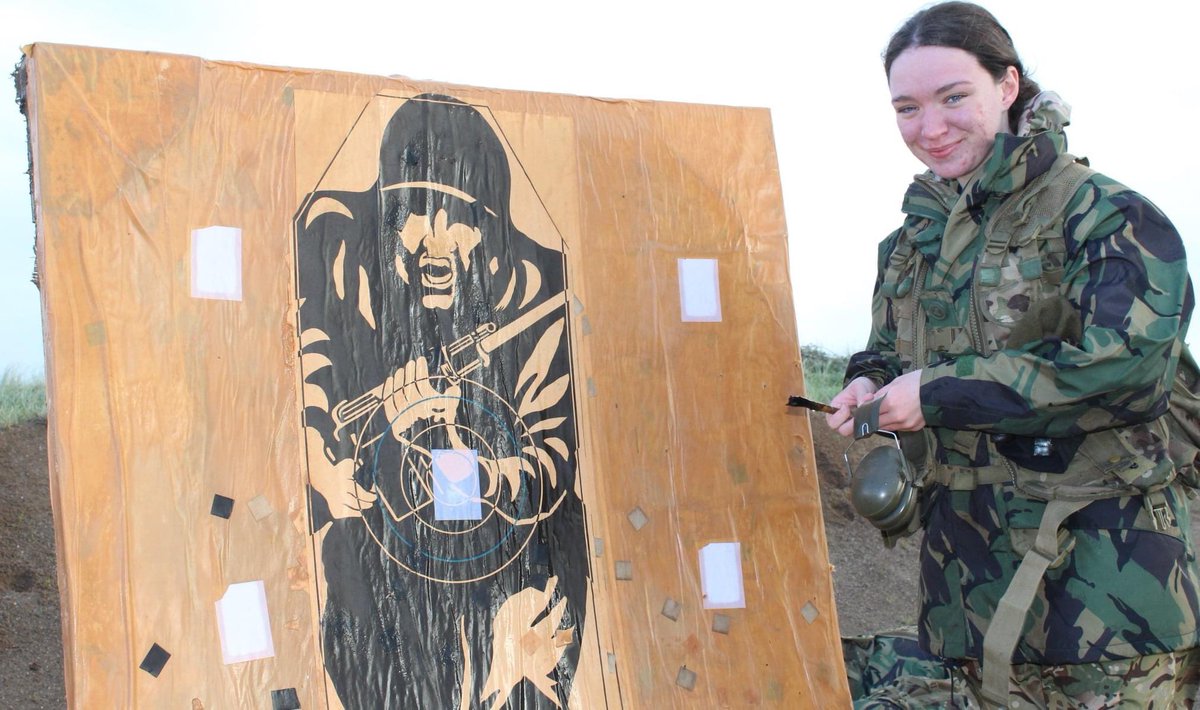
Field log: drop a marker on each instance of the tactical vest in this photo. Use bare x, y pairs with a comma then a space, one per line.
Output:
1015, 298
1021, 263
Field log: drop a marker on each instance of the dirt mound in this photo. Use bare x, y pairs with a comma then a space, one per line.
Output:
875, 587
31, 655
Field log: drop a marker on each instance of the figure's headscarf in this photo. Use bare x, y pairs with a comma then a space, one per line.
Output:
438, 153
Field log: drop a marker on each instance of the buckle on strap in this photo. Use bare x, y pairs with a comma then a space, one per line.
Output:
1160, 512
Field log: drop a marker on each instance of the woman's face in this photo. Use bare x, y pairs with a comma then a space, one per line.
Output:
948, 108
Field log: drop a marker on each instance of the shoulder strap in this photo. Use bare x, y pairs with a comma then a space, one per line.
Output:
1043, 201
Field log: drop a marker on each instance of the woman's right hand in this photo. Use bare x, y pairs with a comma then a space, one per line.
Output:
860, 391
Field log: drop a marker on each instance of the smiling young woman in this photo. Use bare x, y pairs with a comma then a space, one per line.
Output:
949, 109
1028, 321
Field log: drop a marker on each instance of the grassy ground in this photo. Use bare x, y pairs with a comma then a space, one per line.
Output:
21, 398
822, 372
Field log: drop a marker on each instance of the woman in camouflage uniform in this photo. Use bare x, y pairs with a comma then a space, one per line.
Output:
1037, 357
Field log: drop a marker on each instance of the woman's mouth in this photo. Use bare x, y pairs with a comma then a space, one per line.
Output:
942, 152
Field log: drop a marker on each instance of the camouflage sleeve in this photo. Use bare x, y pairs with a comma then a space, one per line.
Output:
878, 361
1127, 277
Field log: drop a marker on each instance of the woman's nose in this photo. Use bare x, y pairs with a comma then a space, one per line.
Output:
933, 124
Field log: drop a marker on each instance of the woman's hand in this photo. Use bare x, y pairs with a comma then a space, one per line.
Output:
859, 391
901, 411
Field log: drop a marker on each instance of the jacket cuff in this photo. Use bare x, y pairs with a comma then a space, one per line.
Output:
931, 407
875, 366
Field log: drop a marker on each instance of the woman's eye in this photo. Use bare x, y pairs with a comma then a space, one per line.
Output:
955, 98
906, 109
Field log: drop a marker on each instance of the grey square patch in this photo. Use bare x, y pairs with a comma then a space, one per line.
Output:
685, 678
598, 546
259, 507
671, 609
809, 612
624, 570
612, 663
721, 623
637, 518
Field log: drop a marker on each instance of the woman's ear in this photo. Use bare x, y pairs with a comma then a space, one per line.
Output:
1010, 86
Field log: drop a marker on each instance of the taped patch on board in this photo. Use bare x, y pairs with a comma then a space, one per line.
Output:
699, 291
285, 699
217, 263
671, 609
155, 659
721, 623
222, 507
721, 576
243, 623
637, 518
259, 507
686, 678
95, 334
624, 570
456, 493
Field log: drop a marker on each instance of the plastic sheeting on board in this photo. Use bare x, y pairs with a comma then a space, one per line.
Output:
465, 380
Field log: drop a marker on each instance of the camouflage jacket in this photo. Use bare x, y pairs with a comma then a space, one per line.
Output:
1127, 588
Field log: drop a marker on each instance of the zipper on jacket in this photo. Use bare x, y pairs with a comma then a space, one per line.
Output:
920, 357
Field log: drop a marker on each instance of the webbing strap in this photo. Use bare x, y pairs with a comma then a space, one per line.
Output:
1004, 630
968, 478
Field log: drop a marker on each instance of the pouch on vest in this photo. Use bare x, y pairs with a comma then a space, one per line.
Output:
1183, 420
1037, 453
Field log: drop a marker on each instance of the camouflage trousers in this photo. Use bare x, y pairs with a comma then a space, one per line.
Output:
884, 672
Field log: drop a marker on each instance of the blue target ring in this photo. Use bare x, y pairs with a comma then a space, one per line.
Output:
504, 428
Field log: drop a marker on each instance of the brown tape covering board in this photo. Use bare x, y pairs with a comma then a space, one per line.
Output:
442, 341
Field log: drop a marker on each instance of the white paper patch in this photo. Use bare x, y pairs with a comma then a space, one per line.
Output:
699, 291
217, 263
721, 576
456, 484
243, 623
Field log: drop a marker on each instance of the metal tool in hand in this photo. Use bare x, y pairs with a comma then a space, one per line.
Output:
798, 401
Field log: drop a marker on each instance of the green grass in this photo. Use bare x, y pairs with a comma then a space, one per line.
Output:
822, 372
21, 398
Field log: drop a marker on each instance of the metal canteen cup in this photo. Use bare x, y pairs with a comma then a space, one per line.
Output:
881, 486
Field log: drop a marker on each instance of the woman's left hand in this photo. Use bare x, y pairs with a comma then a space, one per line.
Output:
901, 411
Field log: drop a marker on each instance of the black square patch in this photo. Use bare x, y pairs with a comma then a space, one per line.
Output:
155, 659
285, 699
222, 506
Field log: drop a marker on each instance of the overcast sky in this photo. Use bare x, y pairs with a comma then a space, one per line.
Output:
1127, 68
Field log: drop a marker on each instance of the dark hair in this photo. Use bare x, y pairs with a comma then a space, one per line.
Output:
969, 27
